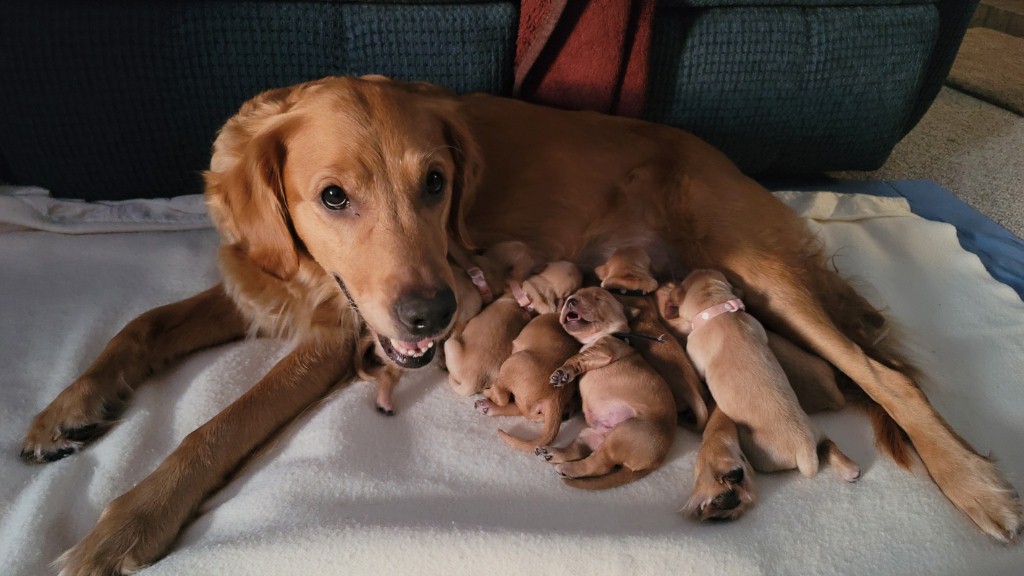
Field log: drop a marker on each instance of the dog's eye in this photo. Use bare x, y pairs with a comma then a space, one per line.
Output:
434, 183
334, 198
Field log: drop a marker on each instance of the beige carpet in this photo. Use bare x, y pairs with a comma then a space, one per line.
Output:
990, 65
970, 147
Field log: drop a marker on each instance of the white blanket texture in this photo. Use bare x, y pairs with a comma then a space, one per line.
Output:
432, 490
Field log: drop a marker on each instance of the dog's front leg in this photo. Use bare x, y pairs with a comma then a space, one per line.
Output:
138, 527
591, 357
88, 407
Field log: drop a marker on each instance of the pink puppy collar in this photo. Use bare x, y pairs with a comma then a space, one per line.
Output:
734, 305
521, 296
480, 281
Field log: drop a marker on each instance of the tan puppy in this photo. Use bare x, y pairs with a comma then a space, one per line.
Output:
484, 277
627, 275
730, 349
475, 356
628, 407
523, 386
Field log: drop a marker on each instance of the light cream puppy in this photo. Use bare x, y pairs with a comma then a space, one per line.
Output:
730, 349
628, 407
475, 356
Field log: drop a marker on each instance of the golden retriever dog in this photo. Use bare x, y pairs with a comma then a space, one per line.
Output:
523, 386
475, 356
730, 350
478, 280
628, 407
337, 201
626, 274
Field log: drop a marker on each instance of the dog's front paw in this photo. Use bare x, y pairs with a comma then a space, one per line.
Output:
722, 495
132, 532
563, 376
80, 413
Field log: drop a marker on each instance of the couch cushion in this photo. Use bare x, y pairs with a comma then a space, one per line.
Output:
788, 89
119, 100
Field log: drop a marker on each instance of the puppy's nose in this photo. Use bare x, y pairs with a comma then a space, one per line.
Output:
426, 316
571, 302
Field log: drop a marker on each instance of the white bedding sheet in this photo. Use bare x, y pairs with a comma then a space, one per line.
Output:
432, 490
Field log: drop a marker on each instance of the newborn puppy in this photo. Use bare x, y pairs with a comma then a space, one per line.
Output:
479, 279
812, 379
730, 350
627, 275
475, 356
523, 386
482, 278
628, 407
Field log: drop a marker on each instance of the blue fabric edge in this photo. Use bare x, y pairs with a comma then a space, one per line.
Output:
1000, 251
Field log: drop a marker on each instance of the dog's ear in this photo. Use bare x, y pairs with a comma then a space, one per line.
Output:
468, 169
244, 186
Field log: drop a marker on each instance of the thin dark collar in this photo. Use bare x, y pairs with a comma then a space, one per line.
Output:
625, 336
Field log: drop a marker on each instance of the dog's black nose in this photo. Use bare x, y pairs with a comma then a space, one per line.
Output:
427, 316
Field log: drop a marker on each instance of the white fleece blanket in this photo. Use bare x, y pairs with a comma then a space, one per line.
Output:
432, 490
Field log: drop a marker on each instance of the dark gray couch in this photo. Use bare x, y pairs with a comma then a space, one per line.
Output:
114, 99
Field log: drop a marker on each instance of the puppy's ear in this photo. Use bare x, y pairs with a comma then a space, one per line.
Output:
244, 186
468, 169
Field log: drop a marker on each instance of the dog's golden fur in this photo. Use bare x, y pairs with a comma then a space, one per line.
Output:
419, 166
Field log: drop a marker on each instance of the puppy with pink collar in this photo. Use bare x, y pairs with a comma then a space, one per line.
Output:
730, 350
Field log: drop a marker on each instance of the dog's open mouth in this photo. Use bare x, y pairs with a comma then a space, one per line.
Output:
409, 354
574, 319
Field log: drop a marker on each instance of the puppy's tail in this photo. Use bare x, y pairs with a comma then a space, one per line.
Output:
552, 414
614, 479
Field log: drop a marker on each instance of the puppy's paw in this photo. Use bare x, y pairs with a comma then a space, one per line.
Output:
563, 376
630, 284
80, 413
551, 455
722, 496
483, 406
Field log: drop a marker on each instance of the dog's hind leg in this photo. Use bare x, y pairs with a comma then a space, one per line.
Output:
971, 482
88, 407
138, 527
723, 486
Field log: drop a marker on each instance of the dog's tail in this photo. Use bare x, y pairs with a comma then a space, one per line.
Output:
552, 413
618, 477
874, 333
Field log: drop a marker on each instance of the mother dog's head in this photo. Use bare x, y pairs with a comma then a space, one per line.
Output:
367, 177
